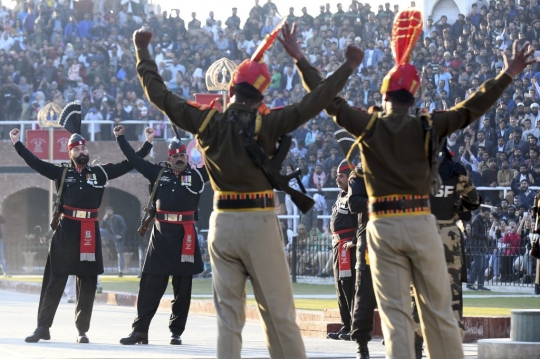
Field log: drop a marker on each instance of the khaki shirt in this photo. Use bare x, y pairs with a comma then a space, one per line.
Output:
393, 153
228, 163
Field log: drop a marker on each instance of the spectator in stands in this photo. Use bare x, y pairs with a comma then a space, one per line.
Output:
524, 193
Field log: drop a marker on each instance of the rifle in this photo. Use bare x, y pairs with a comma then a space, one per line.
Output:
150, 209
56, 206
271, 168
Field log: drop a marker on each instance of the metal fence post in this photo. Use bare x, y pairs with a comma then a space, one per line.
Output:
293, 260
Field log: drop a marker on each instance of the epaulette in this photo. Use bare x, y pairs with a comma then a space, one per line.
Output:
263, 110
65, 164
277, 108
197, 105
163, 164
359, 108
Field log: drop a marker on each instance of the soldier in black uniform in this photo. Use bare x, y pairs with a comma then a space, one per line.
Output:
76, 243
343, 225
364, 295
174, 248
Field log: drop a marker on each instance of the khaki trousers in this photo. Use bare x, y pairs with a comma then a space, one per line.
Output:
405, 249
250, 244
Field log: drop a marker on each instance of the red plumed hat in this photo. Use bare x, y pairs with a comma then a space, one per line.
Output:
254, 71
405, 32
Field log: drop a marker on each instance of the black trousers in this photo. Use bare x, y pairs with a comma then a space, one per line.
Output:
364, 306
151, 290
51, 292
345, 294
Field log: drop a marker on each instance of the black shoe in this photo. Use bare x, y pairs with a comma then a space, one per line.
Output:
82, 338
345, 336
39, 333
335, 336
120, 274
175, 339
363, 351
484, 288
471, 287
135, 338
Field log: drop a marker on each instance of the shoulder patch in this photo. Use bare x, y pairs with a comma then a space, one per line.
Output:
197, 105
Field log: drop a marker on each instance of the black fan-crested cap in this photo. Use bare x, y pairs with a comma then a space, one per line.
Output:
70, 118
346, 141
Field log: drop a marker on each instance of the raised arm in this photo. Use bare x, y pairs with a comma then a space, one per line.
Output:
147, 169
186, 114
46, 169
121, 168
481, 101
352, 119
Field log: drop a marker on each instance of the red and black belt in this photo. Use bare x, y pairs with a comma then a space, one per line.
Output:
397, 205
244, 200
343, 237
187, 220
87, 217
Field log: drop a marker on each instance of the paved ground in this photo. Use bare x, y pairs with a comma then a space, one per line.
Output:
110, 323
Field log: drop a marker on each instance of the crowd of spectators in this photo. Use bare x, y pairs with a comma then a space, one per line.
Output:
62, 51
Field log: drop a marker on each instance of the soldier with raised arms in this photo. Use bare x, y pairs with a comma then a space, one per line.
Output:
76, 243
399, 169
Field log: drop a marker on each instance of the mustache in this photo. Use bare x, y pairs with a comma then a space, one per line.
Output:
179, 162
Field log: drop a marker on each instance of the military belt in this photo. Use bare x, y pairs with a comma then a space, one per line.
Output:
398, 205
175, 217
244, 200
343, 235
79, 213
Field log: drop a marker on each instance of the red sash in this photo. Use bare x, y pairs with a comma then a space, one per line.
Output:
188, 242
344, 236
88, 232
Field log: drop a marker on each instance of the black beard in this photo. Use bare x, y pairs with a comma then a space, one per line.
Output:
82, 159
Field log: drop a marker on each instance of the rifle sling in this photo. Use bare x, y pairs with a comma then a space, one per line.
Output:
61, 188
154, 189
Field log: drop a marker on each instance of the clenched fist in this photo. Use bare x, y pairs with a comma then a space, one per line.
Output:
149, 133
142, 37
119, 130
354, 55
15, 135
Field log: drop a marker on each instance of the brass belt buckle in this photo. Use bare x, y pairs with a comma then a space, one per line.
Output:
173, 217
80, 214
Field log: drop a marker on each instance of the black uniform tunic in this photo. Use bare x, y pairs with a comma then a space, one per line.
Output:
81, 190
175, 194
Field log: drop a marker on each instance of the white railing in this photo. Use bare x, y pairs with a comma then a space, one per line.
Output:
168, 133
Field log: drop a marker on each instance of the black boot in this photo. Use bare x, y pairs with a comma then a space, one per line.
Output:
363, 351
39, 333
418, 344
345, 336
82, 338
175, 339
135, 338
335, 336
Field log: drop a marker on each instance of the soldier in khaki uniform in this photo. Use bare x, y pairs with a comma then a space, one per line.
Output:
454, 200
403, 237
245, 237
